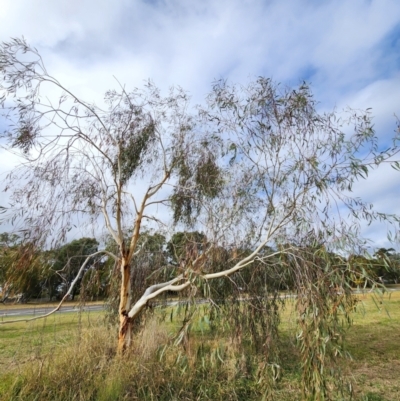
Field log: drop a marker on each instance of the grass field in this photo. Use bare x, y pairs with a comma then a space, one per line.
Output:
45, 348
374, 343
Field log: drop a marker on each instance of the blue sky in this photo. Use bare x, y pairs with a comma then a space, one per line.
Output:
349, 50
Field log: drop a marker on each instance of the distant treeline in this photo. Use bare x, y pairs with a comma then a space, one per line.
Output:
49, 273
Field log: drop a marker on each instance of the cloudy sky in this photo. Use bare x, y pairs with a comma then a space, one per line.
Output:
349, 50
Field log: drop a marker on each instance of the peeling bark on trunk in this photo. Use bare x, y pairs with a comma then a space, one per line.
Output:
124, 335
125, 326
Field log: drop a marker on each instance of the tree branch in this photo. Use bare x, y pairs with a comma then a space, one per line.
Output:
155, 290
57, 308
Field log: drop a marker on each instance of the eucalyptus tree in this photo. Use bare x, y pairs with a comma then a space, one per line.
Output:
86, 164
262, 175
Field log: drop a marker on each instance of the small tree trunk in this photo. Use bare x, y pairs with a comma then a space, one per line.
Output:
125, 326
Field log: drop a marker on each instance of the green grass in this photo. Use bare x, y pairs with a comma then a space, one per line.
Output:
374, 343
21, 342
72, 357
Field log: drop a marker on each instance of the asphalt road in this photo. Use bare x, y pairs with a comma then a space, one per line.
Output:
37, 311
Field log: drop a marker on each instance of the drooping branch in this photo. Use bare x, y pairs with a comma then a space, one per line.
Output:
68, 293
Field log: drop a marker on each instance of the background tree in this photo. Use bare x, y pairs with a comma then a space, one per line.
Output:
8, 243
387, 265
183, 243
21, 269
67, 261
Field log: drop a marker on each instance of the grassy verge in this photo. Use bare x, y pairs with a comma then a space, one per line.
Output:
71, 357
23, 342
